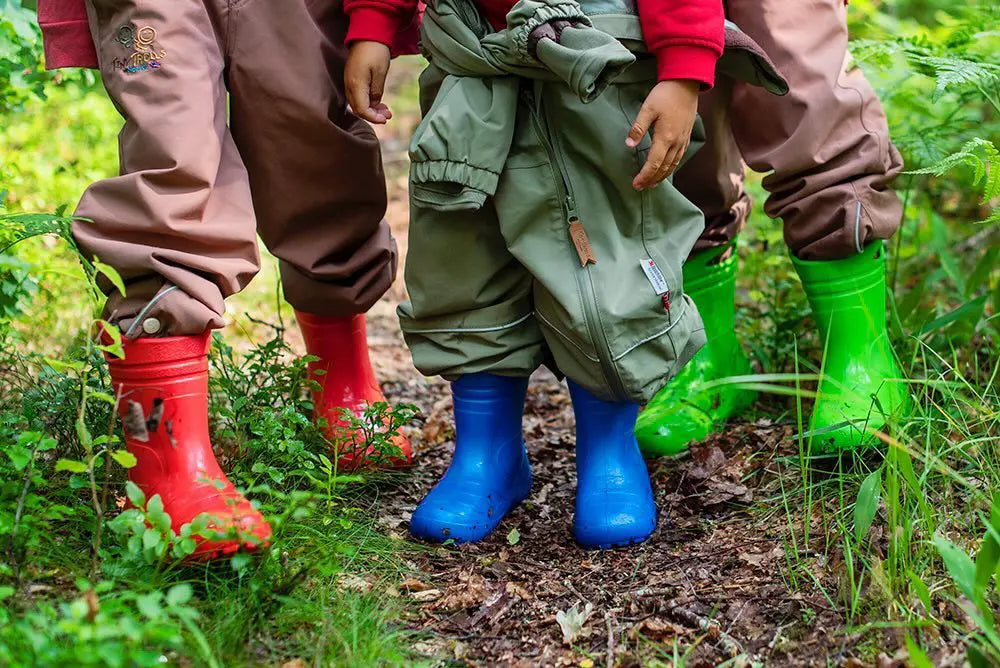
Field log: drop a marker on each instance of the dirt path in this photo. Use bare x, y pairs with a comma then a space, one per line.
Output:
712, 580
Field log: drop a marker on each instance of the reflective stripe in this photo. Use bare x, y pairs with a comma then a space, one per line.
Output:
857, 230
461, 330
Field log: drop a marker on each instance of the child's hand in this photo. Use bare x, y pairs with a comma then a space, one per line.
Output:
364, 79
669, 112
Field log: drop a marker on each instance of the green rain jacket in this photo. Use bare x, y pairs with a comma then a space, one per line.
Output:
527, 242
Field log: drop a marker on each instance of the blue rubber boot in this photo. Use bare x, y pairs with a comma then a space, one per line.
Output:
489, 473
614, 500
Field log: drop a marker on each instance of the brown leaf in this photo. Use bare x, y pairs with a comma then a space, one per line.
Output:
469, 591
656, 628
426, 595
515, 589
705, 461
93, 605
414, 585
134, 421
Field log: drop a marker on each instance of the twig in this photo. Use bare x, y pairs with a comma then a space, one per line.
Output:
729, 644
569, 585
20, 510
609, 619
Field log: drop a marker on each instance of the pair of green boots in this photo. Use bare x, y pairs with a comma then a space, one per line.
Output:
861, 387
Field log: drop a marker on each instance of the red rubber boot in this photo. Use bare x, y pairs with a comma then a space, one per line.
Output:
346, 380
162, 385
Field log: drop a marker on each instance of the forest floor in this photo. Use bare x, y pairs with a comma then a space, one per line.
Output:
711, 585
732, 572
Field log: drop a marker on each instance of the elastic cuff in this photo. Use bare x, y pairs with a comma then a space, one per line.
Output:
371, 25
685, 61
68, 44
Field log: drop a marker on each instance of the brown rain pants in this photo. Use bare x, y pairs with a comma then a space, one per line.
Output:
826, 144
197, 185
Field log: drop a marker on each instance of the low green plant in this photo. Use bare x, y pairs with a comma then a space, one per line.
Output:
102, 626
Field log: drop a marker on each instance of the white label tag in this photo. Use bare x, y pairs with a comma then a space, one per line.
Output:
655, 276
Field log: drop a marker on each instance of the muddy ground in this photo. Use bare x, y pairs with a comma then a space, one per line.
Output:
713, 582
721, 579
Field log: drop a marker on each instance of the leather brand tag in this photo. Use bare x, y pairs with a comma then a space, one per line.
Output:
582, 243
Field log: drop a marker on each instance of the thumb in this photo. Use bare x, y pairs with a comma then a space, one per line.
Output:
639, 129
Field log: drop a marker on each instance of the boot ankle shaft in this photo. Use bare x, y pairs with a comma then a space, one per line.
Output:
122, 371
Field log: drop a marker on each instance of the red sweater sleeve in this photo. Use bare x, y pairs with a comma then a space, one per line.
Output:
66, 34
687, 37
378, 20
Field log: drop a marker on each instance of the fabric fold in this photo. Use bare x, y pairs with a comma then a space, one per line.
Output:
461, 146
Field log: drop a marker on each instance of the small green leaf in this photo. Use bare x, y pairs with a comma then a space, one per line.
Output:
179, 594
6, 592
867, 504
63, 367
102, 396
70, 465
959, 565
110, 331
155, 505
920, 588
514, 537
240, 561
111, 274
19, 456
187, 546
149, 605
918, 657
125, 458
150, 539
134, 494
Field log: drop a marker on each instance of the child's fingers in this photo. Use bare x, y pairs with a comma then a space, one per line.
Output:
359, 95
654, 164
383, 109
357, 92
641, 126
673, 160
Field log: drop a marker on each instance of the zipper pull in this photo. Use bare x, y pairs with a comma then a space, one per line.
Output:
581, 242
666, 301
578, 234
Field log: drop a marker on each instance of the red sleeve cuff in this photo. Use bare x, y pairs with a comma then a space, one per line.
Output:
68, 44
372, 25
687, 61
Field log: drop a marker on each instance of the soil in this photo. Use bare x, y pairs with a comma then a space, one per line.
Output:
726, 576
712, 583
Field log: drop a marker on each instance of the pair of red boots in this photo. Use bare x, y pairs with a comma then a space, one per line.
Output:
163, 383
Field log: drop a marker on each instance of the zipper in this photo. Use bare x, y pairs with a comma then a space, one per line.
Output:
584, 278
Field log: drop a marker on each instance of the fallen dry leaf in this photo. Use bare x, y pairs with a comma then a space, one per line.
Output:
426, 595
572, 621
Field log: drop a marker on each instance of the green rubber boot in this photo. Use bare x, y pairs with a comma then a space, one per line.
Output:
856, 390
679, 415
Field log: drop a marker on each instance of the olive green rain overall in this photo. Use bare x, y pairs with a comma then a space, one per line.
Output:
527, 242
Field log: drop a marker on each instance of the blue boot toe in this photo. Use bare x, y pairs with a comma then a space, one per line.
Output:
471, 513
614, 520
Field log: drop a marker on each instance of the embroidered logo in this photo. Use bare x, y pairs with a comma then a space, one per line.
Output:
144, 38
126, 36
144, 57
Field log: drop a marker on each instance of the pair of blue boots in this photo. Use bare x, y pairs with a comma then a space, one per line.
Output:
490, 474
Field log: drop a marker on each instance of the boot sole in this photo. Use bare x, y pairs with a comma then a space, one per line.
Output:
620, 543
